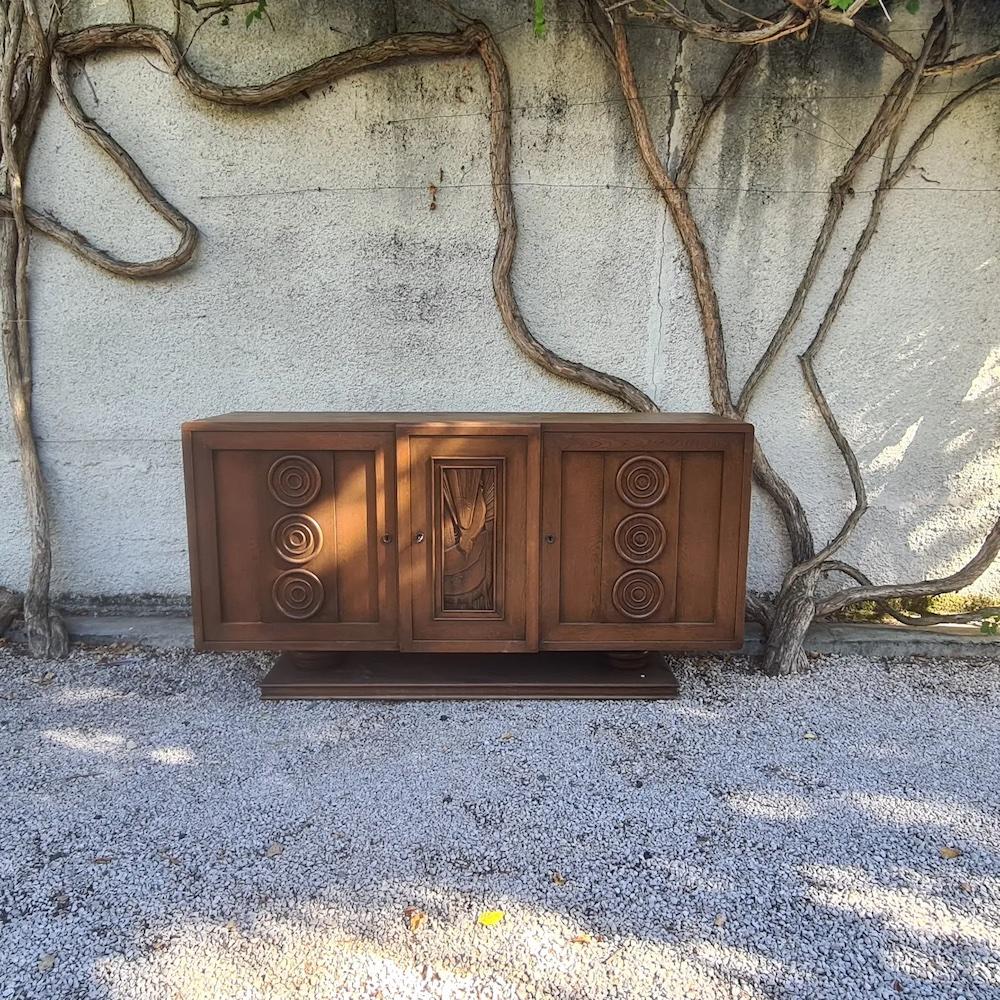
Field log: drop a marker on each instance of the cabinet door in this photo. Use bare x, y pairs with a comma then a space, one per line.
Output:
468, 503
644, 539
292, 539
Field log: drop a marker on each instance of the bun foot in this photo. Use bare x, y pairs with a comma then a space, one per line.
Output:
633, 659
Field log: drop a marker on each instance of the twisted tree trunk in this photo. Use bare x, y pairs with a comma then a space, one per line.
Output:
24, 80
794, 611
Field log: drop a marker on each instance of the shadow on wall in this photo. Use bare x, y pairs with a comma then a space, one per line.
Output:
180, 838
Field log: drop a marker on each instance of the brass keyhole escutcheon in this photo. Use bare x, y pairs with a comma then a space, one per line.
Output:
550, 539
387, 538
419, 537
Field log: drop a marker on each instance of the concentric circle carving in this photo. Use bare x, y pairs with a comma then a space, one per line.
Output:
296, 538
637, 593
298, 593
642, 481
640, 538
294, 480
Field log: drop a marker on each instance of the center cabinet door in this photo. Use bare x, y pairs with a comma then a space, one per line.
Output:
468, 546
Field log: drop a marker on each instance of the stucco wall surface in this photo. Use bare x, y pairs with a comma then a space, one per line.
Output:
324, 281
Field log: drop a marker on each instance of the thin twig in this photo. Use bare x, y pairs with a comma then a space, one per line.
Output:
739, 69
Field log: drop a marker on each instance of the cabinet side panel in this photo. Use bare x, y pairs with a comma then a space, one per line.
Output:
236, 477
194, 553
580, 536
357, 536
698, 536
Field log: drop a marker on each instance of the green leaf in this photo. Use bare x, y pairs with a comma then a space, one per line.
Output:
539, 18
913, 6
256, 13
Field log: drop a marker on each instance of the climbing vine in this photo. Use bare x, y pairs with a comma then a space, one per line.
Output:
35, 56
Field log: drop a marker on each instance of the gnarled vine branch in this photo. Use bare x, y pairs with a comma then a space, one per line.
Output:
921, 619
796, 605
969, 573
473, 38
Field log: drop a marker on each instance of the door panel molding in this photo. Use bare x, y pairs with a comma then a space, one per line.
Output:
469, 537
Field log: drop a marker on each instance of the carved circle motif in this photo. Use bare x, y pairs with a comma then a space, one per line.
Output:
637, 593
296, 537
298, 593
642, 481
293, 480
640, 538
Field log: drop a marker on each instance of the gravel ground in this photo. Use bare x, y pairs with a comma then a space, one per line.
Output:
167, 835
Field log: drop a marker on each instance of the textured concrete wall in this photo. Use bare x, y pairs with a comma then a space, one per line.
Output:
325, 282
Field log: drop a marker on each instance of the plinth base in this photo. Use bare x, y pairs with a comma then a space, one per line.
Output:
430, 676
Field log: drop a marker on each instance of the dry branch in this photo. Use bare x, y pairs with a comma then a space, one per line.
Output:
788, 22
969, 573
886, 43
963, 63
839, 190
920, 619
890, 177
474, 38
676, 200
890, 116
739, 69
395, 48
503, 260
687, 229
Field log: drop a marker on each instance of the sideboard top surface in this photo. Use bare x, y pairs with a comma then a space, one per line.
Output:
322, 420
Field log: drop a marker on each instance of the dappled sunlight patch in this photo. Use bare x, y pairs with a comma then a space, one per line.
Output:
205, 960
691, 710
76, 739
110, 744
959, 441
772, 805
86, 695
853, 891
377, 950
890, 457
905, 811
987, 378
172, 755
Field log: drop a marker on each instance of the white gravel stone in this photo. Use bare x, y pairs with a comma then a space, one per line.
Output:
167, 835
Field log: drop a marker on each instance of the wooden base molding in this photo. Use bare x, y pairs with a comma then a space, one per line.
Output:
437, 676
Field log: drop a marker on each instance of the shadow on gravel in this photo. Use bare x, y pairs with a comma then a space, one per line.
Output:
171, 836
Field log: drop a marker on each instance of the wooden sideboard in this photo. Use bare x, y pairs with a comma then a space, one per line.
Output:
467, 532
